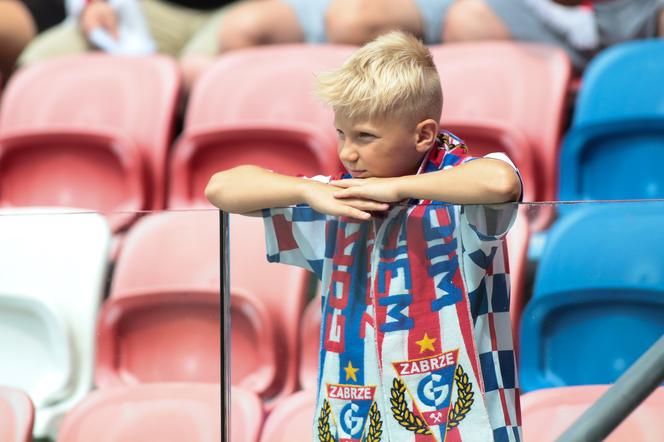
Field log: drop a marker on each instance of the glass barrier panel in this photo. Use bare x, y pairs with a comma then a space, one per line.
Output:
423, 318
427, 317
119, 333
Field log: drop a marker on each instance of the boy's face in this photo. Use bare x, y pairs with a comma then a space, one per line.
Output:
382, 147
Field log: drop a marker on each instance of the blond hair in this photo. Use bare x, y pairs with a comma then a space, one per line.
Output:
393, 76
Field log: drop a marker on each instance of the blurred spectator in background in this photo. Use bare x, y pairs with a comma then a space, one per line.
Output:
582, 28
197, 31
20, 22
180, 28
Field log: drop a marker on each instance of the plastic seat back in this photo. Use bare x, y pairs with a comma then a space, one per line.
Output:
163, 412
180, 251
16, 415
173, 335
598, 301
53, 270
548, 413
257, 106
167, 276
246, 415
283, 290
617, 127
517, 84
133, 98
292, 419
622, 83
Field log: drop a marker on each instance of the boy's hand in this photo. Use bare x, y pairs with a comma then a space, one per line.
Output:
321, 197
377, 189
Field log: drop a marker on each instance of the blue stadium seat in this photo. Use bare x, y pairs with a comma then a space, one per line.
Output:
598, 302
614, 147
622, 83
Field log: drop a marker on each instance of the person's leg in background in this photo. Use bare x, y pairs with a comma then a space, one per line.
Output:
170, 25
360, 21
17, 28
244, 24
470, 20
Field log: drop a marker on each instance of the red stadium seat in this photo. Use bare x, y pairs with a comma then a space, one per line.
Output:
174, 336
517, 246
292, 419
547, 413
310, 344
16, 415
246, 415
257, 106
517, 249
282, 288
156, 412
90, 131
161, 321
519, 84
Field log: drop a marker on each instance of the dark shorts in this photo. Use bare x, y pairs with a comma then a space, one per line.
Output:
46, 13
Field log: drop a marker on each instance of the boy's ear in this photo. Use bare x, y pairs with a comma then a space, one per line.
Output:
426, 133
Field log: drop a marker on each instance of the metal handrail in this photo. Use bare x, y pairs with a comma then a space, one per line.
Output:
225, 306
632, 388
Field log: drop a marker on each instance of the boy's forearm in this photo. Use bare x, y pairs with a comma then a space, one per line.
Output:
482, 181
246, 189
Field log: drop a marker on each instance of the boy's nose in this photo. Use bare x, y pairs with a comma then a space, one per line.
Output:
347, 153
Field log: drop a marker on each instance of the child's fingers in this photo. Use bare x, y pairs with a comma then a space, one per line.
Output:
373, 206
351, 192
352, 212
350, 182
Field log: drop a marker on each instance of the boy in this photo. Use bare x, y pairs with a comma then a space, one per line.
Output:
416, 339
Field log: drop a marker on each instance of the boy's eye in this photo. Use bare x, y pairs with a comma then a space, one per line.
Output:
366, 135
340, 133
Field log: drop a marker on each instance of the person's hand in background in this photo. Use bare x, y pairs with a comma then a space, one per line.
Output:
99, 14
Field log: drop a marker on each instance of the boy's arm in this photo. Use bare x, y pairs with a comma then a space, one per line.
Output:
481, 181
247, 189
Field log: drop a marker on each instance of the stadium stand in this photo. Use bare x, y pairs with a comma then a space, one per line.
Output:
502, 82
52, 275
547, 413
89, 131
16, 415
251, 121
613, 149
161, 322
597, 303
164, 412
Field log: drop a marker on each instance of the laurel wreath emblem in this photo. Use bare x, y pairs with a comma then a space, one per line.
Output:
324, 433
402, 414
375, 424
464, 398
412, 422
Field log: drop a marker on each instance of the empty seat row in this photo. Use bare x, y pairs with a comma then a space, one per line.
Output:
546, 414
184, 411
